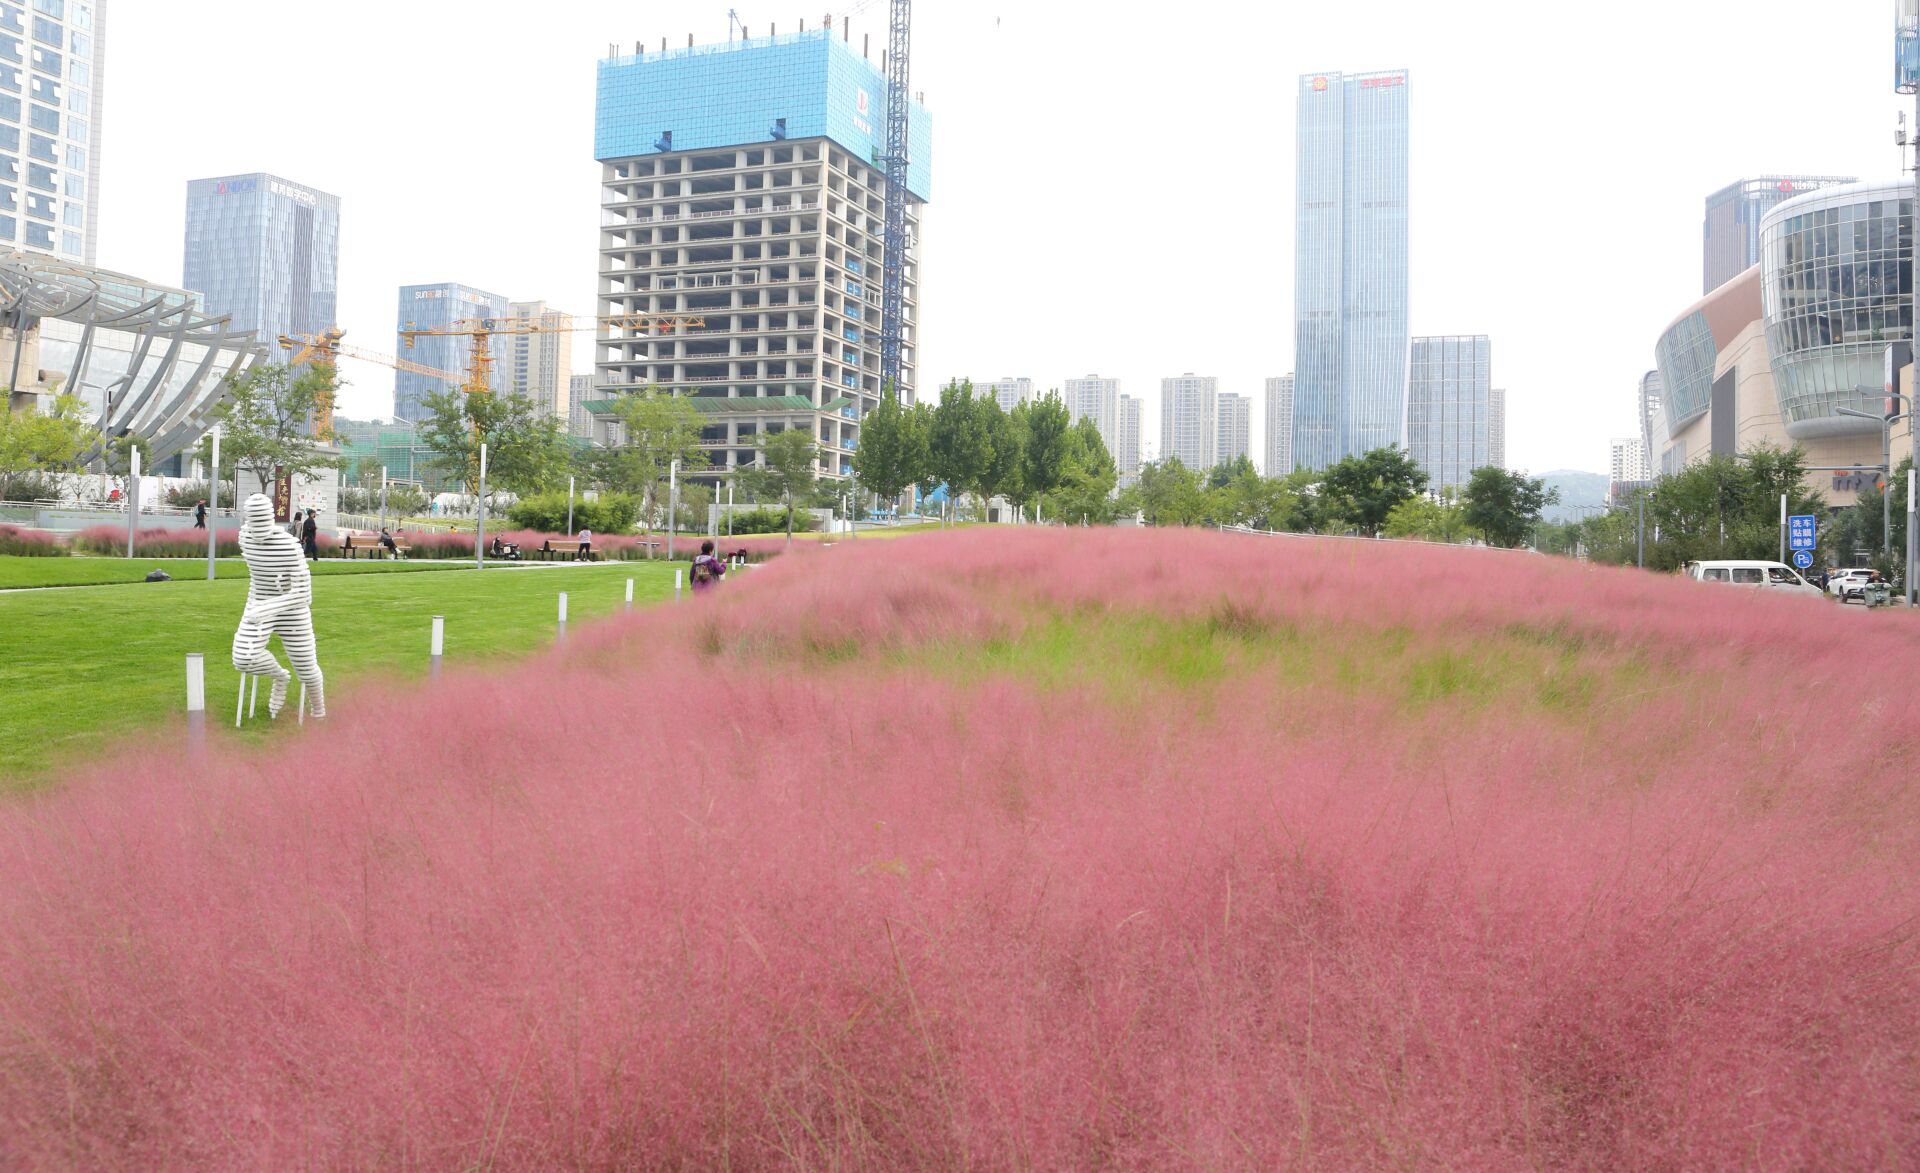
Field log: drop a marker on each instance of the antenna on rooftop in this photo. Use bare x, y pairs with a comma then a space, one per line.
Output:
734, 22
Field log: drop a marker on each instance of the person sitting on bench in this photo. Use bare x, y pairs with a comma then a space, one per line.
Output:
387, 543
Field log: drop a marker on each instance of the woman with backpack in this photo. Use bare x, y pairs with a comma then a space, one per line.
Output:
707, 570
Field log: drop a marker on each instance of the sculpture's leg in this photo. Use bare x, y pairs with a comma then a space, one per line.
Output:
296, 636
250, 655
240, 700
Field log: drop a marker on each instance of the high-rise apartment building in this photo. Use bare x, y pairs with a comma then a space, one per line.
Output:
442, 304
1497, 428
739, 184
52, 72
539, 364
265, 251
579, 394
1126, 429
1730, 234
1627, 460
1189, 421
1448, 413
1008, 393
1279, 425
1350, 265
1233, 423
1097, 399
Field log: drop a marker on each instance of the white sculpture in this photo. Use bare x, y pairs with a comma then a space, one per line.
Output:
279, 601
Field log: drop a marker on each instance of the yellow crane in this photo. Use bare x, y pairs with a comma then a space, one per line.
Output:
326, 347
480, 331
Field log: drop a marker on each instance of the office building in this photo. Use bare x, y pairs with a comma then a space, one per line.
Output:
1350, 266
1233, 425
539, 364
1097, 399
1189, 424
50, 113
1730, 234
1627, 460
1448, 413
1008, 393
1279, 425
739, 184
1497, 428
1126, 429
441, 305
264, 251
579, 419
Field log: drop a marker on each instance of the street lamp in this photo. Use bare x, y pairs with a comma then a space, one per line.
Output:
1886, 468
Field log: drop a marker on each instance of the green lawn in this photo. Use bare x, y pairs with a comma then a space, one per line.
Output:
16, 571
84, 668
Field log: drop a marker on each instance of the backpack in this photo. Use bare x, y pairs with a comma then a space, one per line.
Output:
703, 571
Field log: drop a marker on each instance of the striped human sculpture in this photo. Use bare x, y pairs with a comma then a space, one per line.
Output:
279, 601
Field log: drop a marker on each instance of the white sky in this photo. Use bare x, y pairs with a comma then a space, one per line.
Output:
1113, 186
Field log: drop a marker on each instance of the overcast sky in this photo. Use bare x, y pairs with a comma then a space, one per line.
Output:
1113, 187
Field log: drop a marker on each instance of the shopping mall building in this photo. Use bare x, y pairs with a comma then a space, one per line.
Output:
1773, 355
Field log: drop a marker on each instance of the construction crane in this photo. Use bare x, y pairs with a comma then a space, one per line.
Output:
894, 256
326, 347
480, 331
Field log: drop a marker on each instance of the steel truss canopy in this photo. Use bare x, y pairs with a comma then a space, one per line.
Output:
145, 359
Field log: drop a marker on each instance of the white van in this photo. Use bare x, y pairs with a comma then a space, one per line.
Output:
1753, 573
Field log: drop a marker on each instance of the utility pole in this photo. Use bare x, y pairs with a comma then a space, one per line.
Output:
1640, 533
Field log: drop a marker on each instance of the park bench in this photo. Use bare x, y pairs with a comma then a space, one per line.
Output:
564, 552
369, 544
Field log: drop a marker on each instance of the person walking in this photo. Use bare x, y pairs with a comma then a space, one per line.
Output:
707, 570
200, 515
586, 546
310, 535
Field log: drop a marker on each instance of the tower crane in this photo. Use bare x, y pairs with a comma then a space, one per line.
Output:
326, 347
480, 331
894, 242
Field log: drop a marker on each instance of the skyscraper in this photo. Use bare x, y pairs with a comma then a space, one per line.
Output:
1126, 453
1279, 426
442, 304
50, 114
739, 182
1497, 428
1096, 399
1233, 417
1008, 393
1448, 415
1730, 234
1189, 428
265, 250
540, 364
579, 393
1350, 265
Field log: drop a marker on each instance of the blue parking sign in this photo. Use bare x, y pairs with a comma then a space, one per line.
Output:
1800, 532
1803, 559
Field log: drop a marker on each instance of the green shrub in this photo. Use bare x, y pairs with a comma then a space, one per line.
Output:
769, 521
612, 513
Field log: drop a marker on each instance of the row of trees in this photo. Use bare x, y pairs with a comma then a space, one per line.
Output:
1381, 493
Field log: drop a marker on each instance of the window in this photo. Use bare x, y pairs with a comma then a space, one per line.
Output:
1779, 577
47, 32
40, 236
9, 108
40, 207
9, 138
80, 72
40, 178
40, 147
74, 188
46, 91
77, 129
81, 46
82, 16
57, 9
9, 168
9, 227
76, 156
43, 118
46, 61
77, 101
10, 78
1748, 575
9, 200
70, 243
10, 50
10, 19
1713, 573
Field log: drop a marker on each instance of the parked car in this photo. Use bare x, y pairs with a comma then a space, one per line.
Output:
1849, 585
1753, 573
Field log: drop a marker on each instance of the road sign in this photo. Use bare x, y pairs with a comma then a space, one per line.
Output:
1800, 532
1803, 559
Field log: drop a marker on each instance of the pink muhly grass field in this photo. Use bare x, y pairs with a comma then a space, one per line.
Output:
165, 542
1018, 848
28, 543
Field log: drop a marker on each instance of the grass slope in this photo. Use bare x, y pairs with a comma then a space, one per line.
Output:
85, 668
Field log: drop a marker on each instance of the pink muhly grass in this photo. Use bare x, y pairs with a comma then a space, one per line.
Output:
28, 543
766, 880
163, 542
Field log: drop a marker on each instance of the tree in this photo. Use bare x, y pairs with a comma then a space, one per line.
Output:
1505, 506
961, 440
1087, 477
1006, 441
789, 457
657, 429
34, 442
1167, 493
1429, 519
267, 422
893, 452
1362, 490
1244, 497
1045, 429
525, 451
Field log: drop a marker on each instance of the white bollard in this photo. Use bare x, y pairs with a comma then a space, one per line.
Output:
676, 584
439, 642
560, 633
629, 594
196, 701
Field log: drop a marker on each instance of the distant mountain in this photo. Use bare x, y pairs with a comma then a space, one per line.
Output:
1576, 489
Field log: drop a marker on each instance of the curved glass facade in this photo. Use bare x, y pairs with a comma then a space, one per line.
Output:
1684, 356
1837, 286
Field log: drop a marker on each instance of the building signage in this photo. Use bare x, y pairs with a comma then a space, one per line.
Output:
1374, 83
457, 295
1319, 85
282, 495
297, 194
1856, 482
235, 186
1800, 532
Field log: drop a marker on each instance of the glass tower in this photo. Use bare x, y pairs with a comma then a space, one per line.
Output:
1449, 408
1730, 234
266, 251
437, 305
1350, 265
52, 70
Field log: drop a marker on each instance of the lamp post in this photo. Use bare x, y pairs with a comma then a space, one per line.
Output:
1886, 468
673, 502
213, 501
480, 515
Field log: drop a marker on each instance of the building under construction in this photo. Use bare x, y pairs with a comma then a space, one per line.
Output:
745, 183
